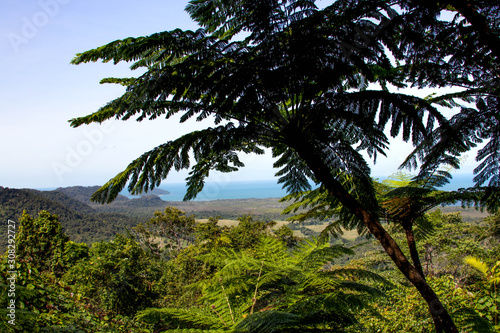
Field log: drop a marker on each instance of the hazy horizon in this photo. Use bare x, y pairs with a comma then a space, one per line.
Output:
43, 91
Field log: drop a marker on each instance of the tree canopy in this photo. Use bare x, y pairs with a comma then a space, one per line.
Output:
314, 85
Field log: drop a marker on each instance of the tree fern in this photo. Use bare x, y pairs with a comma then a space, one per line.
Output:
281, 286
471, 321
487, 296
193, 317
269, 321
293, 84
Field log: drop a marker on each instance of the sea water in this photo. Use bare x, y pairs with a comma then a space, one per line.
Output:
226, 190
261, 189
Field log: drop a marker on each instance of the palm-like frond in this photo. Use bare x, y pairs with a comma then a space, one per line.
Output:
477, 264
287, 290
446, 144
313, 256
489, 155
199, 318
320, 204
294, 173
213, 148
279, 92
466, 130
471, 321
176, 43
268, 321
227, 18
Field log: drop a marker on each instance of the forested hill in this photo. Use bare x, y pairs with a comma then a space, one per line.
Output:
83, 193
80, 221
14, 201
88, 222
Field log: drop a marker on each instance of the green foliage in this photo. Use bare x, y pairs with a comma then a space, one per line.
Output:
266, 288
38, 303
397, 180
442, 251
44, 303
285, 234
211, 234
188, 267
172, 228
488, 298
405, 311
493, 229
297, 83
74, 252
446, 249
248, 232
244, 235
79, 221
246, 279
176, 319
177, 274
118, 275
41, 242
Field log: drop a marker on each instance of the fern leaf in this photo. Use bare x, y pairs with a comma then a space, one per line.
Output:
477, 264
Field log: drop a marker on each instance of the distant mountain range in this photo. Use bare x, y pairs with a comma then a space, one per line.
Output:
83, 193
89, 222
82, 220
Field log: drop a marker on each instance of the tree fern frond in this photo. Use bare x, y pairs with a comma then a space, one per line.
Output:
133, 49
337, 304
321, 205
214, 149
267, 322
423, 228
489, 155
477, 264
294, 173
200, 318
313, 283
405, 111
355, 274
304, 199
122, 81
448, 100
471, 321
194, 330
364, 289
334, 229
320, 255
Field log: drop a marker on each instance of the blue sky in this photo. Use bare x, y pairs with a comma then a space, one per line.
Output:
40, 91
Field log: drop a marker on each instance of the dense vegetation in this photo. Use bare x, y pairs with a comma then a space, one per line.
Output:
80, 221
87, 222
174, 274
318, 87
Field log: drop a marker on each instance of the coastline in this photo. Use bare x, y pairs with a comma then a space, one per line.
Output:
259, 189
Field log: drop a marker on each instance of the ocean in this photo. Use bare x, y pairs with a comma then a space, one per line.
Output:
260, 189
226, 190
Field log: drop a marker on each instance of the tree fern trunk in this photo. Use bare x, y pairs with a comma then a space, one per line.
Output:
412, 246
442, 320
